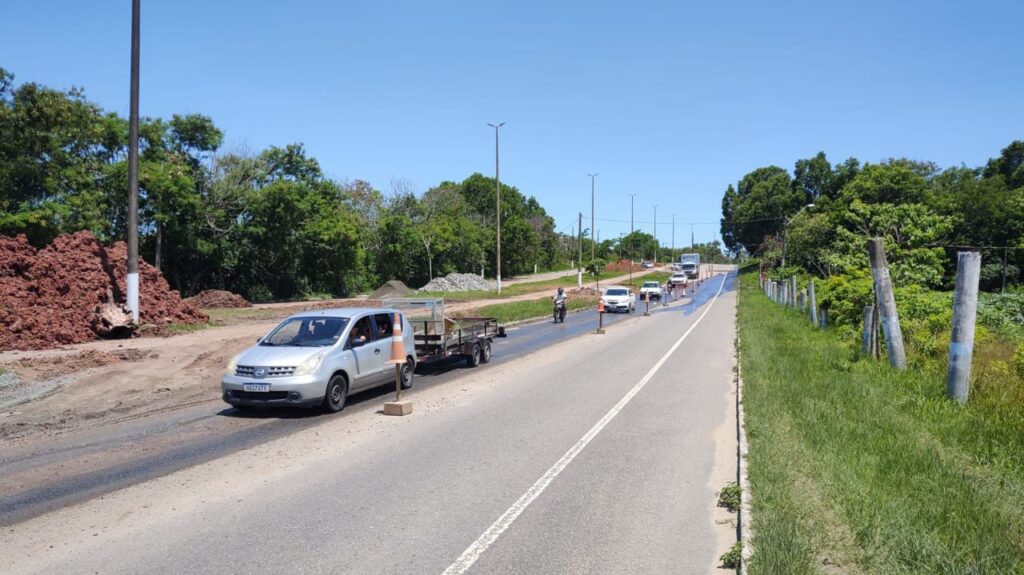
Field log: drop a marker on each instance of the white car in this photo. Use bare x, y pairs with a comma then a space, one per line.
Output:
652, 290
618, 298
678, 279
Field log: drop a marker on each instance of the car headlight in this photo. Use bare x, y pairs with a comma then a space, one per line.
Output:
311, 365
232, 365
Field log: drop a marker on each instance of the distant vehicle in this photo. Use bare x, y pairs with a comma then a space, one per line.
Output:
652, 290
618, 298
678, 278
647, 265
318, 358
690, 264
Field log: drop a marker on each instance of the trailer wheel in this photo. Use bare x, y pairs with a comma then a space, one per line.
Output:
473, 359
485, 355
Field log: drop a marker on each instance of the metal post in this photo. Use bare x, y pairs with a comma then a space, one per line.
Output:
812, 303
497, 193
887, 304
673, 238
132, 280
961, 344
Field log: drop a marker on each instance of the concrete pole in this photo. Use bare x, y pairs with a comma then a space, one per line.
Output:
132, 280
965, 306
876, 345
812, 303
792, 291
890, 319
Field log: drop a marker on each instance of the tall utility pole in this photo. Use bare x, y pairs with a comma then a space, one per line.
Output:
655, 233
133, 172
593, 222
631, 197
497, 193
691, 237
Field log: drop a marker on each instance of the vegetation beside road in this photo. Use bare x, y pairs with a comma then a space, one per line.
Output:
520, 310
855, 467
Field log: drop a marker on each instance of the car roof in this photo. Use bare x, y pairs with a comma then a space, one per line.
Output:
342, 312
652, 282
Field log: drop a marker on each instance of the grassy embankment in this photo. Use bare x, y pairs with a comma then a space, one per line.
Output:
529, 309
511, 290
858, 468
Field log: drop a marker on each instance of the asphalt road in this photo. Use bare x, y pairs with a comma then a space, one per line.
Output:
44, 475
566, 455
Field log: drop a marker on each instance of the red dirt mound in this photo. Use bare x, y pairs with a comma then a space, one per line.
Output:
214, 298
622, 266
47, 297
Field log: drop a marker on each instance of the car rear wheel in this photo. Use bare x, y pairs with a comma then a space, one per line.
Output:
407, 373
473, 359
337, 393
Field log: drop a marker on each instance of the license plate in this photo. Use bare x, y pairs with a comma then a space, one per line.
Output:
257, 387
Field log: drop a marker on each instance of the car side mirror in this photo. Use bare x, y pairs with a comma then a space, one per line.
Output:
259, 339
357, 343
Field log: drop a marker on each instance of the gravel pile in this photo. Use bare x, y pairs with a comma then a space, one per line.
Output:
459, 282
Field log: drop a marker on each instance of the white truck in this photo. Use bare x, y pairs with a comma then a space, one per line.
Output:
690, 264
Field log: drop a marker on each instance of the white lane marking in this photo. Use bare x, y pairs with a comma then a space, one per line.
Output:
473, 552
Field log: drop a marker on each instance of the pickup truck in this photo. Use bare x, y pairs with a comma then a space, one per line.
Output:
650, 290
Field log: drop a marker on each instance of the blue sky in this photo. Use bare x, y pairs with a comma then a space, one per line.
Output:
671, 101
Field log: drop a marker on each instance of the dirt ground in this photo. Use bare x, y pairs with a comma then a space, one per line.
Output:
51, 392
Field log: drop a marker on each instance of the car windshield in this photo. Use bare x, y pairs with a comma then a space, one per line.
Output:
616, 292
306, 332
651, 284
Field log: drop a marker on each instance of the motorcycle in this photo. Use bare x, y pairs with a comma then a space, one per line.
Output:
559, 311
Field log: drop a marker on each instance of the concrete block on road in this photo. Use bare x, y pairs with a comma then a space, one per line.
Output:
398, 408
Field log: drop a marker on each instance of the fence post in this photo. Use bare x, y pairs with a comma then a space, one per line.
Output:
867, 345
792, 292
961, 344
890, 319
813, 303
824, 318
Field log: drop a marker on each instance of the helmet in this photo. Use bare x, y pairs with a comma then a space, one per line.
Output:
560, 290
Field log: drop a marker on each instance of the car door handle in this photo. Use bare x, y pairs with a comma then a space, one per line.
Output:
377, 351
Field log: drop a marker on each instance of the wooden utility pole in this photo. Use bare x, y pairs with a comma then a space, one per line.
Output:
889, 317
961, 344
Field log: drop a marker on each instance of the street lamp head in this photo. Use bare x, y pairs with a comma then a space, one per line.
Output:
496, 126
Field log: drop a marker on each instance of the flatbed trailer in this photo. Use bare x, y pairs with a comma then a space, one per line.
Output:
469, 337
439, 337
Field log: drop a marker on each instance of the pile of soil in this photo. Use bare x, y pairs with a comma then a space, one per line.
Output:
623, 266
47, 297
215, 298
392, 288
584, 291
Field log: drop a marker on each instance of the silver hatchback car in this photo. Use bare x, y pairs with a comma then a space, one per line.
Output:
317, 358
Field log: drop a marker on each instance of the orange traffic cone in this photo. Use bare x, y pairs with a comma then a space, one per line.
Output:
397, 342
600, 306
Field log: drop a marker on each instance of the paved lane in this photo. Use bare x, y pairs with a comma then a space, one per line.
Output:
364, 493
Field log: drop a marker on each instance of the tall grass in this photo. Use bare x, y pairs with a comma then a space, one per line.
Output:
855, 467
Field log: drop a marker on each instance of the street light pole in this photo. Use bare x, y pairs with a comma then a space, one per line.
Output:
631, 197
497, 193
655, 234
593, 222
132, 280
785, 231
673, 235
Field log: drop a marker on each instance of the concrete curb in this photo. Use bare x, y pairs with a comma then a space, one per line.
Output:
745, 513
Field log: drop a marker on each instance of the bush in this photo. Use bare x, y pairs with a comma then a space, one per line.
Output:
731, 559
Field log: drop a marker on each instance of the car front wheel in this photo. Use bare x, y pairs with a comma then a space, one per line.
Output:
337, 393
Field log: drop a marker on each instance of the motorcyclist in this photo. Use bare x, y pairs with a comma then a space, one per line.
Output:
560, 296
